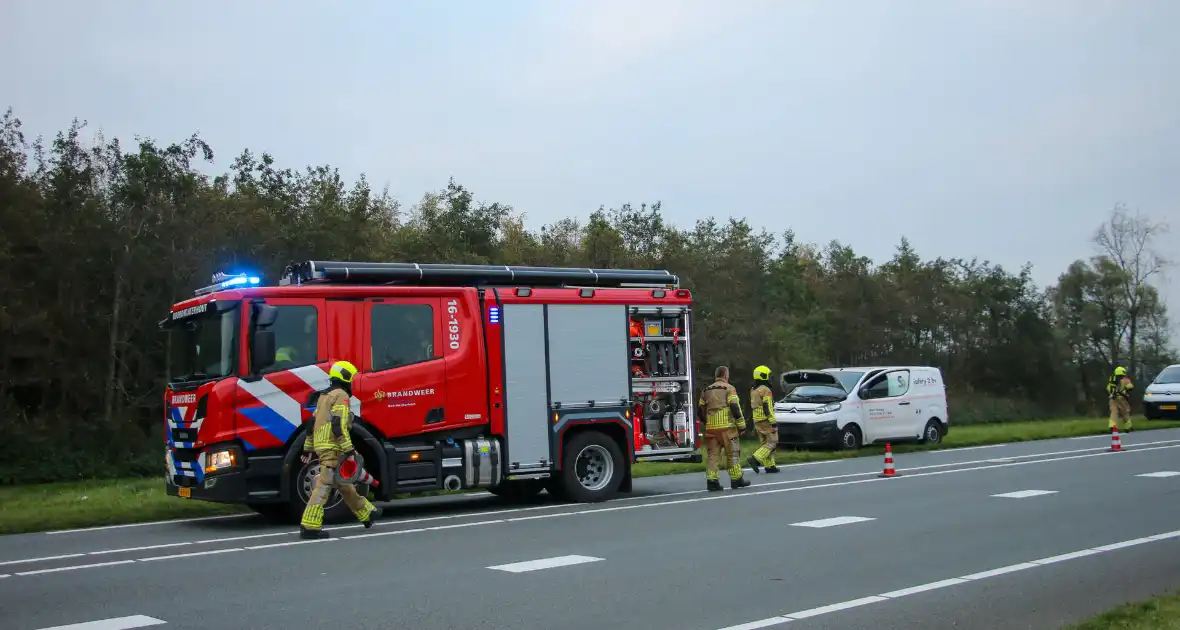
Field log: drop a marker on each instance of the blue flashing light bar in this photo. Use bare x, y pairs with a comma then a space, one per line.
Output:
226, 281
493, 314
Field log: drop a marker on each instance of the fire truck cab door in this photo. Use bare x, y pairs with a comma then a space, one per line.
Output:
403, 387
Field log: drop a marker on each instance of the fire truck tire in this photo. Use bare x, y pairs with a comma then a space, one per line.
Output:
303, 476
592, 468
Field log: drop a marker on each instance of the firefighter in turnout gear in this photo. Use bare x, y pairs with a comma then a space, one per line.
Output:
1119, 388
722, 410
762, 408
330, 441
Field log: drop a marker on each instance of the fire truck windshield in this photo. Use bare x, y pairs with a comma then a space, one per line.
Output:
204, 347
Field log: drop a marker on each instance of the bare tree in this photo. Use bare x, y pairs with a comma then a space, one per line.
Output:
1126, 239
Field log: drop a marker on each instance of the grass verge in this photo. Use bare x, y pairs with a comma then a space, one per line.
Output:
111, 502
1160, 613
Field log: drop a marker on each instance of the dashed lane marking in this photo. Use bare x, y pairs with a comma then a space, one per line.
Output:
546, 508
544, 563
146, 524
1024, 494
117, 623
1161, 474
832, 522
655, 504
947, 583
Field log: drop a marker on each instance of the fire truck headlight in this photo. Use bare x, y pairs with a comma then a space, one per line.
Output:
220, 460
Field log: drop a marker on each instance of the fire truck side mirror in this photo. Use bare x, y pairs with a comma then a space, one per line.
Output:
264, 315
262, 354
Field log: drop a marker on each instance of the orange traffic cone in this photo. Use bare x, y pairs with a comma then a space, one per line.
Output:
888, 472
1115, 444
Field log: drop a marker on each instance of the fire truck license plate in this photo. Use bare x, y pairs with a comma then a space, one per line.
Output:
186, 492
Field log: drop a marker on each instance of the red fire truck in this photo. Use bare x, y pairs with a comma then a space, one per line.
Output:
512, 379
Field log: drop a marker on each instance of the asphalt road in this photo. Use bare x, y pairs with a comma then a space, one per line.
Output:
825, 545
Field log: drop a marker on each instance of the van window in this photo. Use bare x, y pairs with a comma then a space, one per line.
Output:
402, 334
899, 383
878, 387
1169, 376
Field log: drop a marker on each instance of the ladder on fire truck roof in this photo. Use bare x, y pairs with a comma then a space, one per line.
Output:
402, 273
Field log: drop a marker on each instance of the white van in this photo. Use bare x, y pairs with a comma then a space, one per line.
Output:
1161, 397
854, 406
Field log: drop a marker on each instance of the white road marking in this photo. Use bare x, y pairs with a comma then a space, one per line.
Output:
66, 556
832, 522
293, 542
1161, 474
118, 623
4, 575
930, 586
188, 555
544, 563
999, 460
76, 567
1012, 568
1100, 450
922, 588
952, 450
1066, 556
145, 524
1024, 494
831, 608
713, 497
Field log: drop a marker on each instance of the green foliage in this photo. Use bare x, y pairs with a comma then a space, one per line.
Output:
1159, 613
97, 241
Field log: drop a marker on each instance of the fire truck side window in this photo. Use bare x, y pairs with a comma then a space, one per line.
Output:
296, 336
402, 334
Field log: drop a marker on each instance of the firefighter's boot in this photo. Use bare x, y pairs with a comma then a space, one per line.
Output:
713, 485
753, 462
740, 482
312, 534
772, 469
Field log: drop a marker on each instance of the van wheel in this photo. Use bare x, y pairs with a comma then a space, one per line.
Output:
850, 438
932, 434
591, 468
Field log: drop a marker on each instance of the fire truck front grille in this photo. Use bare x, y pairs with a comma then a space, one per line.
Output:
184, 436
184, 455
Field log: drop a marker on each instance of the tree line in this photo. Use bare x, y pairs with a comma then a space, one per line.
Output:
98, 240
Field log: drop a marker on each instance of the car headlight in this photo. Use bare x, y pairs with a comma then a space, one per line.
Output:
220, 460
829, 408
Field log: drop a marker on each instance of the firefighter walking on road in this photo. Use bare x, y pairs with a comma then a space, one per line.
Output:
331, 442
722, 410
762, 409
1119, 387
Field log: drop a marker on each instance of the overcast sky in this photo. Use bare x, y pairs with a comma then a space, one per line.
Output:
1002, 129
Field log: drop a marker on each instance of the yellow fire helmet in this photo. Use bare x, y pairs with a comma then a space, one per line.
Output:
1120, 371
343, 371
762, 373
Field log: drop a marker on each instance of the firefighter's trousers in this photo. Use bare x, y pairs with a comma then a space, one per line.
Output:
718, 441
1120, 409
768, 440
325, 482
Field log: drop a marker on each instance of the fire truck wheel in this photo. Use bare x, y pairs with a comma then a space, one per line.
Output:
591, 468
335, 510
